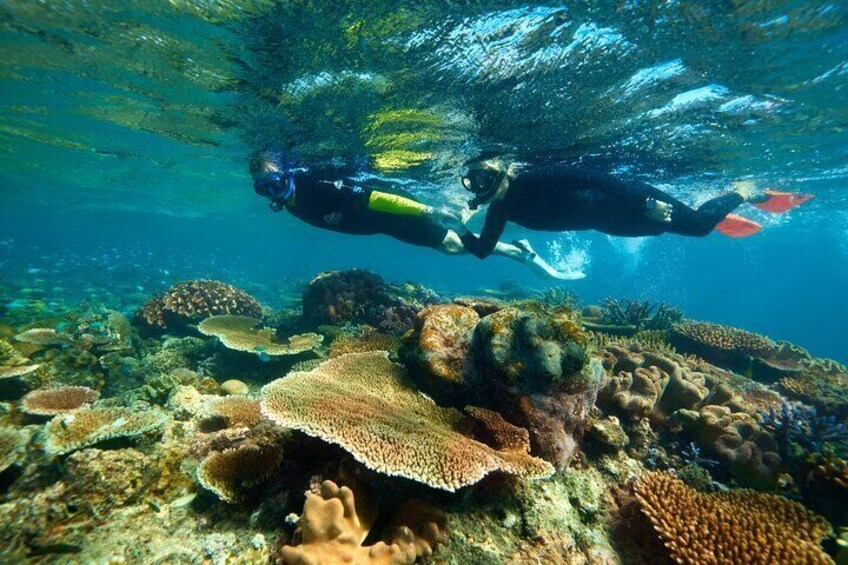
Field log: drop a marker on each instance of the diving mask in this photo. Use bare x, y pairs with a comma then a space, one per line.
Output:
484, 182
277, 187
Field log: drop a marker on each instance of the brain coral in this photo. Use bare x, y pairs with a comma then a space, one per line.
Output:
336, 521
738, 527
52, 401
232, 473
243, 333
193, 301
12, 443
88, 426
366, 404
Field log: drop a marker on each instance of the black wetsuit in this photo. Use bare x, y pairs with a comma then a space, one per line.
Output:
555, 199
330, 199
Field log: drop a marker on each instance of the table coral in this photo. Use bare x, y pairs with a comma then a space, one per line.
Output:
88, 426
193, 301
366, 404
336, 521
243, 333
737, 527
233, 473
236, 411
52, 401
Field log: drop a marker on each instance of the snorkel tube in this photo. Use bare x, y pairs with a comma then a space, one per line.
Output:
279, 188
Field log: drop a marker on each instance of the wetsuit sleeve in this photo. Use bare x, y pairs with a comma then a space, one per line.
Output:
493, 228
386, 203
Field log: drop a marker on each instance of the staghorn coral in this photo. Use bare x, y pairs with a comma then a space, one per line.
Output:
617, 316
192, 301
366, 404
336, 521
52, 401
242, 333
88, 426
738, 527
12, 444
233, 473
236, 411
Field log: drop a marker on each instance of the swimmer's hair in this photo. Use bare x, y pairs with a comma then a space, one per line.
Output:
260, 159
497, 160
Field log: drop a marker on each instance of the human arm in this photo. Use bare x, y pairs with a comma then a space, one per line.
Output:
482, 246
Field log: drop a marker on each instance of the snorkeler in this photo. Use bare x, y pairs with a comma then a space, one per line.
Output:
329, 198
556, 198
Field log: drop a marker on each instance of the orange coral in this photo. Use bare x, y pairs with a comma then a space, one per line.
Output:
741, 527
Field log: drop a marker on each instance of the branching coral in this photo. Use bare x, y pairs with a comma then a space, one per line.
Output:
336, 521
9, 356
242, 333
641, 315
52, 401
233, 473
88, 426
738, 527
12, 444
193, 301
365, 403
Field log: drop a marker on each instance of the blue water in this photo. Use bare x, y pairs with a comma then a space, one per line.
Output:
125, 131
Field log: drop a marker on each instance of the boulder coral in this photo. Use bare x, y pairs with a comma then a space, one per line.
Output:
739, 527
88, 426
367, 405
192, 301
336, 521
243, 333
53, 401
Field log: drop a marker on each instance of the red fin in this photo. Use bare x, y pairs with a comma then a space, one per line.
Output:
780, 202
737, 226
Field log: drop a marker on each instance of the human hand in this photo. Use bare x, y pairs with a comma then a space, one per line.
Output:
661, 212
447, 219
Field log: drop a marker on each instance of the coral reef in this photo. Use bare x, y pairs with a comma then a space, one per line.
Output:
721, 345
236, 411
12, 444
336, 521
242, 333
627, 317
364, 403
52, 401
193, 301
737, 527
88, 426
368, 340
233, 473
361, 297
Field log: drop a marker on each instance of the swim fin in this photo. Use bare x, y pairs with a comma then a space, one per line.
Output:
737, 226
780, 202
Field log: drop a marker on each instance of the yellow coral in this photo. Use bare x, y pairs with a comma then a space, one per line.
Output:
336, 521
741, 527
366, 404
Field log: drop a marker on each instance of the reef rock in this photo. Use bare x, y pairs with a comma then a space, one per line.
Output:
437, 351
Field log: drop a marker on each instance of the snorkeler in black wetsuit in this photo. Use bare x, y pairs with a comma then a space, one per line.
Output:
555, 198
329, 198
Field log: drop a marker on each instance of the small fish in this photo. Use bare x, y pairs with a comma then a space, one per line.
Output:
34, 271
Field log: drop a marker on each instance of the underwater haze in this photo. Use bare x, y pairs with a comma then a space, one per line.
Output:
677, 368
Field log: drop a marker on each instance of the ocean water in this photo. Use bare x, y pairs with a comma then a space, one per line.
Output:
126, 128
